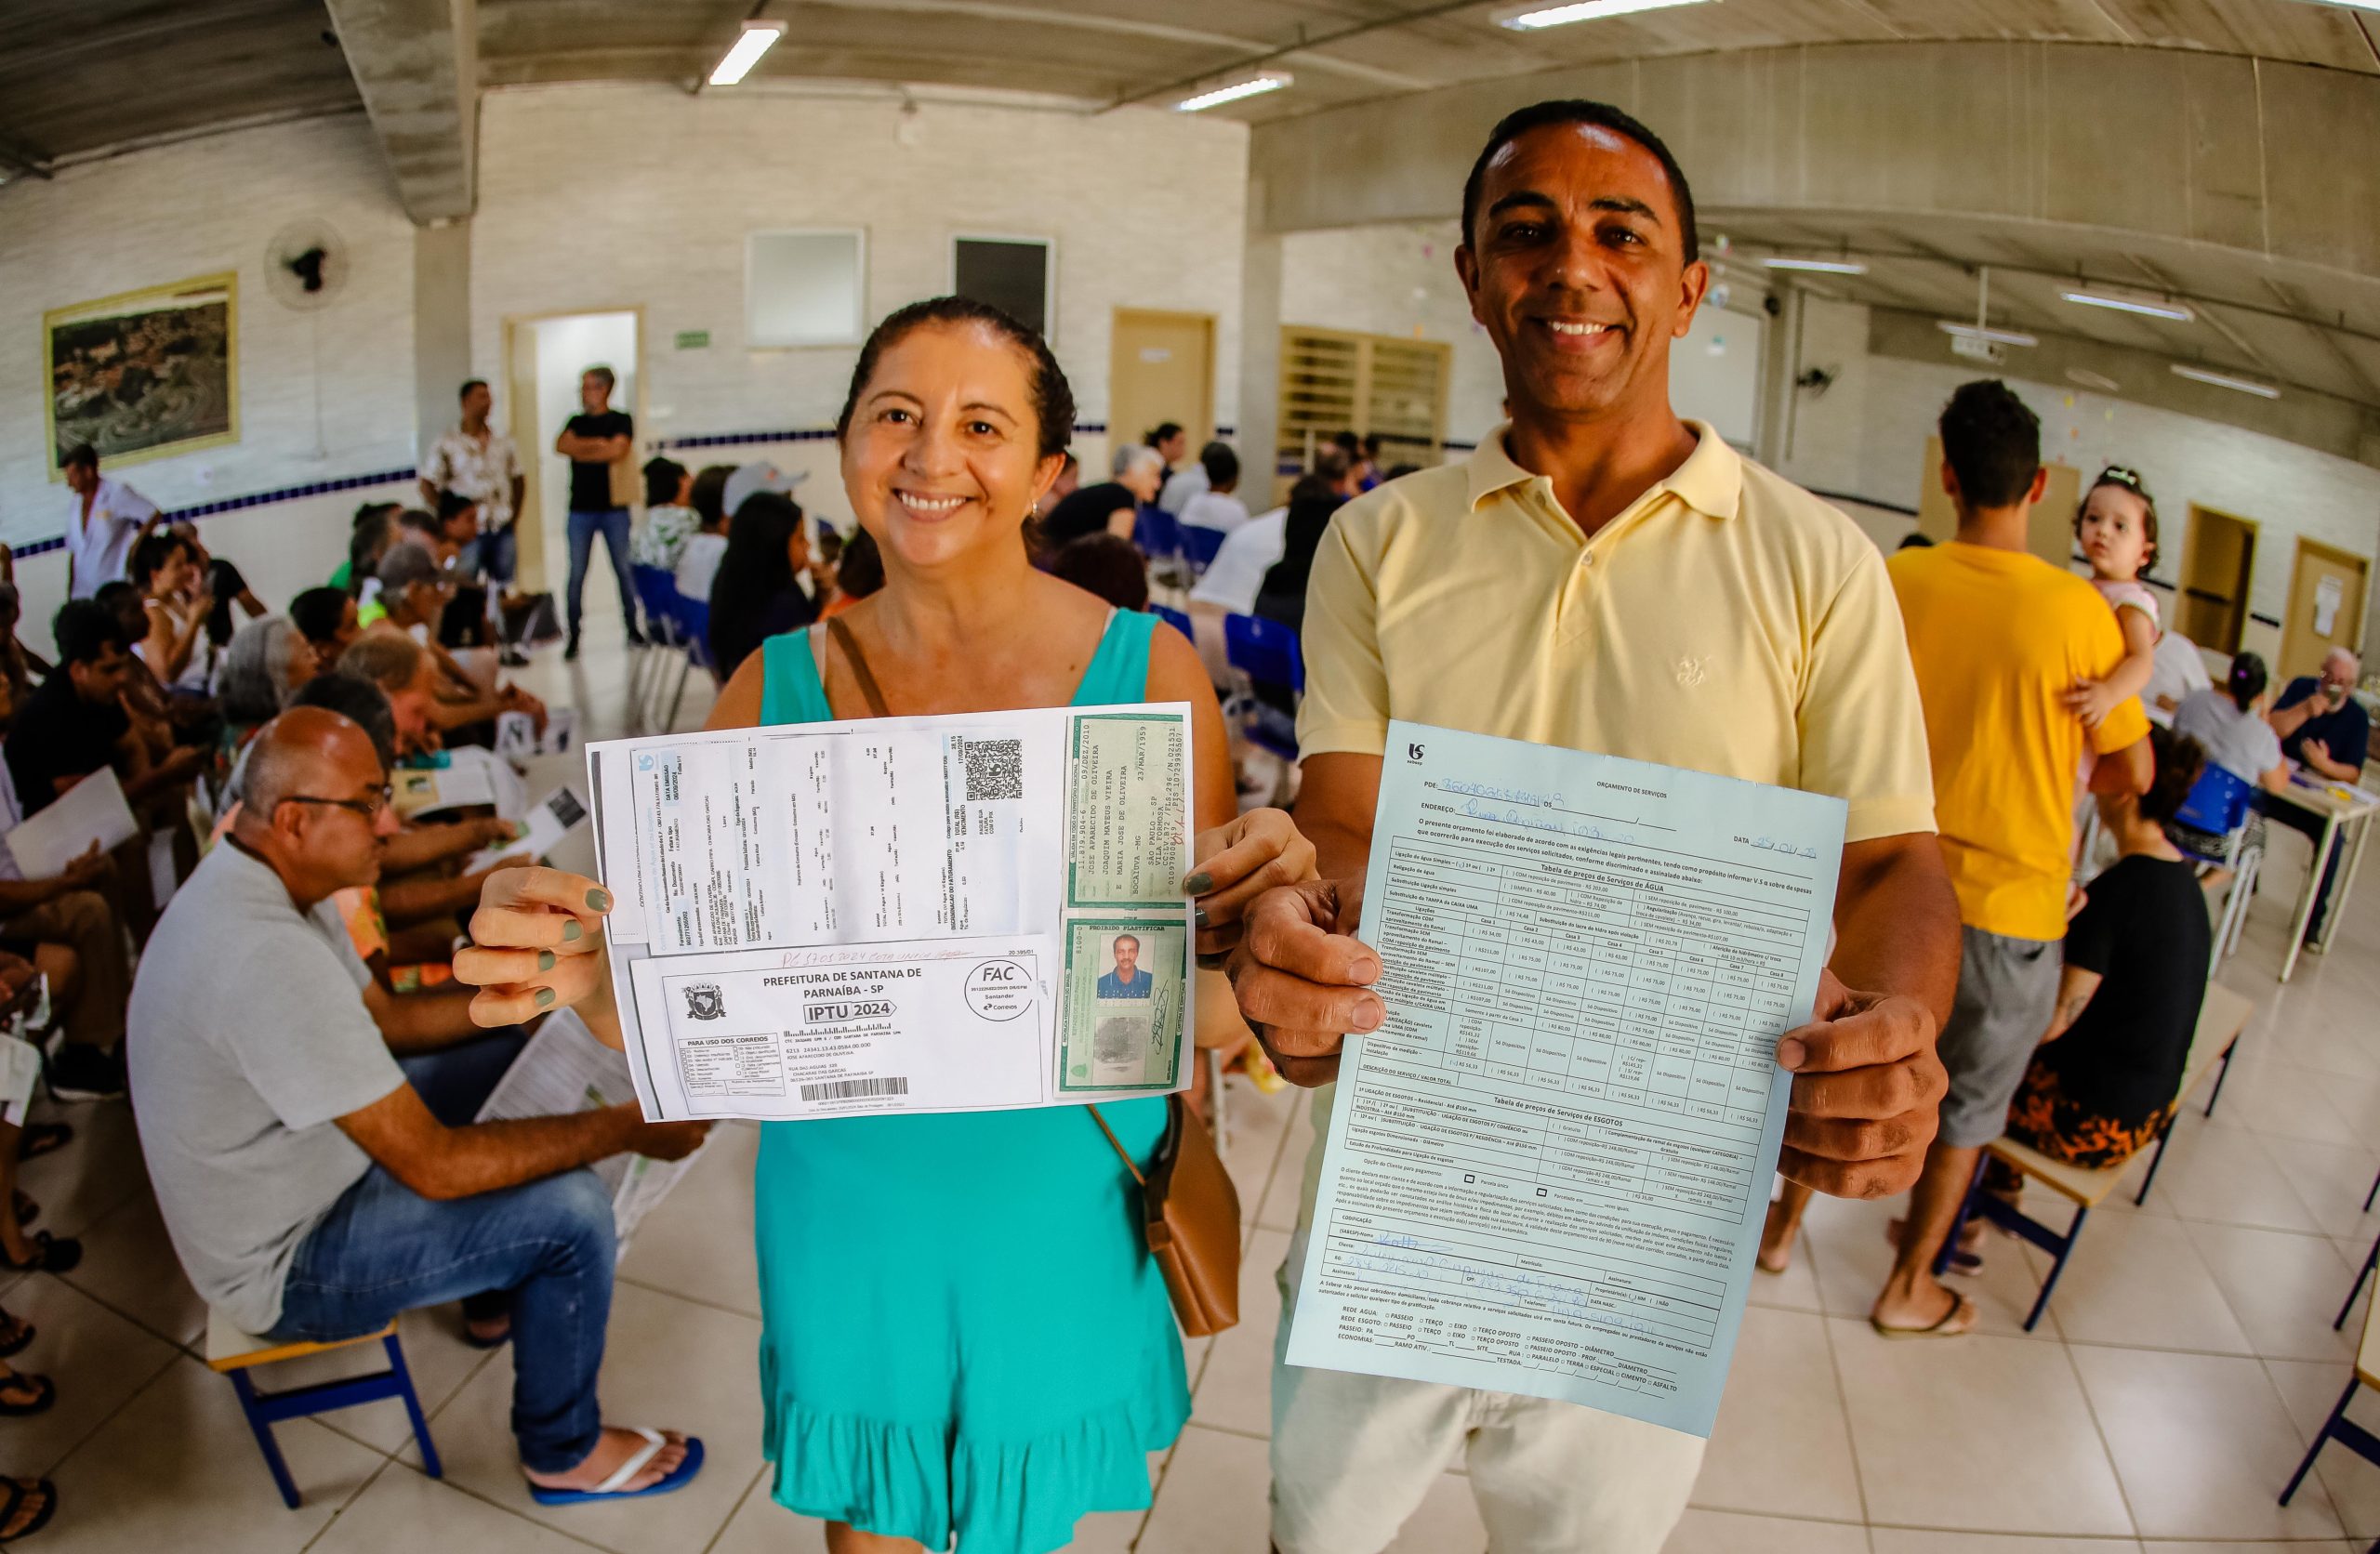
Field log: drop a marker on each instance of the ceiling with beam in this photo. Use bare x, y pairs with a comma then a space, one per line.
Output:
82, 78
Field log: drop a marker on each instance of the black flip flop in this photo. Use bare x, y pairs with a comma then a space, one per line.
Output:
45, 1393
43, 1139
17, 1493
52, 1255
11, 1348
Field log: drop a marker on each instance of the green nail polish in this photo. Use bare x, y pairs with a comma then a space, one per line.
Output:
1199, 916
1198, 884
571, 930
544, 960
545, 996
600, 901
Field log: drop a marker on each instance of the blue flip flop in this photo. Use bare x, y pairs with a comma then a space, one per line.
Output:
609, 1489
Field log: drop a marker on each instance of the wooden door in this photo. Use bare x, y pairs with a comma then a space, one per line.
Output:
2218, 559
2050, 530
1161, 368
2326, 592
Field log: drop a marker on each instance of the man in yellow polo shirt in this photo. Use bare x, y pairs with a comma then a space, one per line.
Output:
1605, 576
1999, 637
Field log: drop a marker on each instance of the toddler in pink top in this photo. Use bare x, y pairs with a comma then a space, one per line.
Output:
2117, 527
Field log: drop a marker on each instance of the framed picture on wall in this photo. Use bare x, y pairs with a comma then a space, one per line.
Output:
144, 374
1017, 275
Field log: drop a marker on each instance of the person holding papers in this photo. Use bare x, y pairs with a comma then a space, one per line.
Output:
1605, 576
911, 1265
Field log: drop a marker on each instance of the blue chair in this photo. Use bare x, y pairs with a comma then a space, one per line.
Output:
1157, 534
1268, 653
1178, 620
2219, 805
233, 1353
657, 593
1198, 546
694, 624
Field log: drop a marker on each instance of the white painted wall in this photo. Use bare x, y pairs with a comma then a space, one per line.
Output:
1145, 207
1825, 433
1400, 280
192, 209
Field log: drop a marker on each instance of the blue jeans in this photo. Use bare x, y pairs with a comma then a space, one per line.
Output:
613, 523
384, 1249
494, 552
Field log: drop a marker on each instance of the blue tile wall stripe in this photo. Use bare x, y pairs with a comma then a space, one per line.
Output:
240, 504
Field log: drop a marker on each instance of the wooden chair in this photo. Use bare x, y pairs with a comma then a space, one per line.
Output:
2338, 1427
234, 1353
2220, 1019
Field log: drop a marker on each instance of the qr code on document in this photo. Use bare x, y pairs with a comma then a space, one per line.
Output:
995, 770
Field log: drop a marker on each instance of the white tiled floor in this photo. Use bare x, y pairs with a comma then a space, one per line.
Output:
2157, 1410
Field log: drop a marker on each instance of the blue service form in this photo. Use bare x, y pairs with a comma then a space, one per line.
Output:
1546, 1172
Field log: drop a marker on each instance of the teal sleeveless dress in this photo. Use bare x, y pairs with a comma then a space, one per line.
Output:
962, 1331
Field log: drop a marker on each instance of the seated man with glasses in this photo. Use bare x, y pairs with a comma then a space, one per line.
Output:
311, 1191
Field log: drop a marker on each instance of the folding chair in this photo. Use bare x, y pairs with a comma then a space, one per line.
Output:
1158, 535
2219, 806
2338, 1427
656, 593
1198, 546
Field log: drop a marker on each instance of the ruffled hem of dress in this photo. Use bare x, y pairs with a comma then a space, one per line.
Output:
1001, 1496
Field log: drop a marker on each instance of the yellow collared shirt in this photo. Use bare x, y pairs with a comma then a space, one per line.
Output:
1728, 622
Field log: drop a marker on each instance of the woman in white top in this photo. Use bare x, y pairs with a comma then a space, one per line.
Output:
2229, 722
173, 592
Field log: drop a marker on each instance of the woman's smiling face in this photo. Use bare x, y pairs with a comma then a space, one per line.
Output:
942, 455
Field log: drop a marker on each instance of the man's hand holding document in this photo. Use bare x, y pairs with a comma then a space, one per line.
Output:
949, 913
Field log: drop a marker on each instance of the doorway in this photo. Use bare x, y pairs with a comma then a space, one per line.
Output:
544, 356
1162, 367
2326, 593
2218, 559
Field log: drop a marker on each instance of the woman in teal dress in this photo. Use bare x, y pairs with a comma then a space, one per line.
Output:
963, 1334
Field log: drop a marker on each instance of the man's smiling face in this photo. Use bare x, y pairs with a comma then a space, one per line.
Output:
1576, 267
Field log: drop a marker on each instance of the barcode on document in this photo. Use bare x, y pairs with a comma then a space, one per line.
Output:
852, 1089
995, 770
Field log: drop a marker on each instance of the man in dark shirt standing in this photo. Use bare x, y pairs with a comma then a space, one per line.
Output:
594, 441
2323, 730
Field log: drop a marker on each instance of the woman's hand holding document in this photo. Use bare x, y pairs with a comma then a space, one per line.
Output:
893, 915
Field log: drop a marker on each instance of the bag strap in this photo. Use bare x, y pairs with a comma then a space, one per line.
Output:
841, 633
1118, 1144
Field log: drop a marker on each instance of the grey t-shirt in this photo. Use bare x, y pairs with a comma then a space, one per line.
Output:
2241, 742
246, 1036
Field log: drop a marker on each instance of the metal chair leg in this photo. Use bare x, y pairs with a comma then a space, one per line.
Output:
2164, 1136
686, 669
2222, 1072
397, 1368
2040, 1303
2321, 1438
2374, 1194
2371, 1260
265, 1442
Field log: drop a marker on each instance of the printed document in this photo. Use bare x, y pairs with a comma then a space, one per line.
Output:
950, 914
564, 1070
1546, 1172
92, 810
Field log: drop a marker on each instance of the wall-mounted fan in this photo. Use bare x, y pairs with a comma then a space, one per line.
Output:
305, 265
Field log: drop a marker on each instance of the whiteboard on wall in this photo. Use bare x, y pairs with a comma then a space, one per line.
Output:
1714, 373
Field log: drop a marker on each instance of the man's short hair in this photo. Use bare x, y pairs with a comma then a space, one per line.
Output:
405, 565
1992, 442
1220, 464
358, 700
1121, 937
599, 370
453, 505
318, 613
1331, 463
389, 659
81, 456
85, 629
421, 523
366, 512
469, 384
1602, 116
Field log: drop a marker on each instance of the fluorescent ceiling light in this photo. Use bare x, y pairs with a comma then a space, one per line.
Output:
1532, 19
1981, 332
1821, 266
2089, 379
1255, 85
758, 39
2225, 380
2142, 303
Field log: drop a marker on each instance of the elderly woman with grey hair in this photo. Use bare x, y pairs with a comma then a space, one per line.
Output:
269, 659
1108, 507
